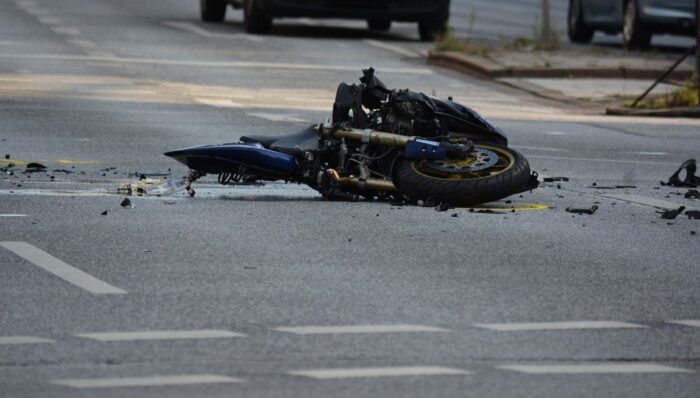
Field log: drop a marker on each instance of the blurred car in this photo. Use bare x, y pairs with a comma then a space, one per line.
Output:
638, 20
431, 15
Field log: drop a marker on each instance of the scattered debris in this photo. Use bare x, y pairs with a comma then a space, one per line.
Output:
694, 214
62, 171
126, 203
693, 232
684, 176
671, 214
692, 193
554, 179
582, 211
455, 215
146, 251
35, 168
442, 207
104, 213
594, 186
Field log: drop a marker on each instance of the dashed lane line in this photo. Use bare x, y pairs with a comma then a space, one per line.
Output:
17, 340
539, 326
13, 215
152, 381
161, 335
218, 64
348, 373
192, 28
580, 368
359, 329
687, 322
391, 47
60, 269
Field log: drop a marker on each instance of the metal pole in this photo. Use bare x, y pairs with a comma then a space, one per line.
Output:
546, 25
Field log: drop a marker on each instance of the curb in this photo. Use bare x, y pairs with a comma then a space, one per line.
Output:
484, 67
662, 112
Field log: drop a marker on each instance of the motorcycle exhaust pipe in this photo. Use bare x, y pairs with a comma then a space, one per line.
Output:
370, 184
374, 137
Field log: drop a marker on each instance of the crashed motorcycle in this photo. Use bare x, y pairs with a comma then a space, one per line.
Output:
396, 145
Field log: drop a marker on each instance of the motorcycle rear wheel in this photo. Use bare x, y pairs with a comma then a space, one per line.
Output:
491, 173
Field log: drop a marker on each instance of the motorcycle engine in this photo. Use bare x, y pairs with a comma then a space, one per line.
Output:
409, 113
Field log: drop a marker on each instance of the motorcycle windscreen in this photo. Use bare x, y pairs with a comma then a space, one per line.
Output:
214, 159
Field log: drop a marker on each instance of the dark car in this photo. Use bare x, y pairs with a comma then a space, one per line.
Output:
638, 20
431, 15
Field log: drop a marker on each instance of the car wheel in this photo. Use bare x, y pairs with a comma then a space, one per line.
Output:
212, 10
379, 25
429, 30
255, 19
634, 33
577, 29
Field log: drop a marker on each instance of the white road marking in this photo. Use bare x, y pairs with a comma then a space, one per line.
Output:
218, 102
220, 64
13, 215
161, 335
83, 43
12, 340
278, 117
192, 28
36, 11
65, 30
27, 3
687, 322
49, 20
347, 373
513, 327
605, 160
177, 380
359, 329
62, 270
391, 47
643, 200
555, 133
607, 367
651, 153
536, 148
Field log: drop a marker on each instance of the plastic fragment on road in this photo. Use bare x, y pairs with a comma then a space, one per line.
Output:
126, 203
671, 214
151, 186
35, 168
588, 211
554, 179
692, 194
684, 176
694, 214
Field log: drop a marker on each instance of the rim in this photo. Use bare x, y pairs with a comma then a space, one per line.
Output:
485, 162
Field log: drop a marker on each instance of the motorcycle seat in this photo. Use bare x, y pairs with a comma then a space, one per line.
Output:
291, 144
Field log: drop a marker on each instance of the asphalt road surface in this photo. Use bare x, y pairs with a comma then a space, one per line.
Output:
271, 292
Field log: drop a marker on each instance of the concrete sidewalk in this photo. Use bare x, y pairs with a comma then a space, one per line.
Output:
594, 77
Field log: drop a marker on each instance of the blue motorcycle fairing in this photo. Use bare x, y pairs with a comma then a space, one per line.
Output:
214, 159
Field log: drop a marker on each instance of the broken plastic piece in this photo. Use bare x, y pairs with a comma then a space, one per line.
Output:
692, 193
694, 214
687, 180
582, 211
34, 168
671, 214
554, 179
126, 203
442, 207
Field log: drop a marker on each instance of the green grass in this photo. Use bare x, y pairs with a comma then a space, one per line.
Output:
449, 42
685, 96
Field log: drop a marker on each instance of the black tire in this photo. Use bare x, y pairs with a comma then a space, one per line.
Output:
636, 36
379, 25
212, 10
512, 178
255, 19
577, 29
430, 30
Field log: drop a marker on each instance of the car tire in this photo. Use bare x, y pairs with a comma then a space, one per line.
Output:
429, 30
577, 29
212, 10
634, 33
379, 25
254, 18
